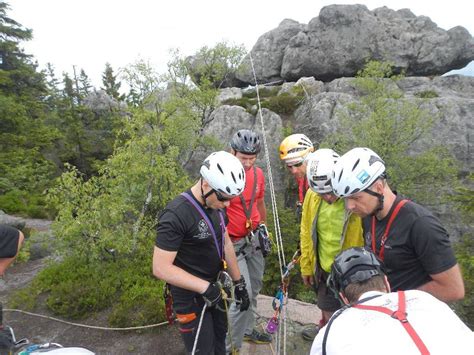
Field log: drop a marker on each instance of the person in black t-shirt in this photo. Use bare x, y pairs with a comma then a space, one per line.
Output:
409, 239
192, 249
11, 240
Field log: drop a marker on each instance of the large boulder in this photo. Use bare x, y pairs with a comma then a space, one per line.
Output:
342, 38
267, 54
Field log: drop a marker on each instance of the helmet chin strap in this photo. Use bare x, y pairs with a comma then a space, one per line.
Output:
380, 197
205, 196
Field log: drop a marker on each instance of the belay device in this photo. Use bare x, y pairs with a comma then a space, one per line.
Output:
264, 240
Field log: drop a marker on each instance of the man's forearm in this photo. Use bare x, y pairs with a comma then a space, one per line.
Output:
176, 276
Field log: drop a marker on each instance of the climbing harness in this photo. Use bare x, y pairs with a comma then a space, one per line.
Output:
400, 314
168, 298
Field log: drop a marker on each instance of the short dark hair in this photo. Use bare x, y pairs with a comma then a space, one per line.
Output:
353, 291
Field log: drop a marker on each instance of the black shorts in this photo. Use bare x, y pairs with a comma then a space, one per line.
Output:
327, 300
9, 238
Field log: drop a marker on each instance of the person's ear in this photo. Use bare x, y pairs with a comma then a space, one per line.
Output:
205, 184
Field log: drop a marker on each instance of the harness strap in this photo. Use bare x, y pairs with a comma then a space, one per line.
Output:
401, 315
248, 212
220, 251
394, 214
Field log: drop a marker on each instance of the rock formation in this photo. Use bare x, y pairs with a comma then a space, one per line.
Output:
342, 38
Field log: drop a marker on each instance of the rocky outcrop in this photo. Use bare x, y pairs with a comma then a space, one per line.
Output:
450, 99
342, 38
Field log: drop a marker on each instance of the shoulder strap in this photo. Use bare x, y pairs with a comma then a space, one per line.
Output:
248, 212
203, 214
337, 314
401, 315
393, 215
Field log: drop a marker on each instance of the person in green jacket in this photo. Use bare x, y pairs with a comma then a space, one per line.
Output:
326, 229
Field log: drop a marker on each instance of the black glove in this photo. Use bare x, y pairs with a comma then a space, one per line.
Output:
212, 295
241, 294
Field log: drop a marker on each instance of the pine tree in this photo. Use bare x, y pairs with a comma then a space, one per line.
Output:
111, 85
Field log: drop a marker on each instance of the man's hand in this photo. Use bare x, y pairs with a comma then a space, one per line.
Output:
241, 294
308, 280
212, 295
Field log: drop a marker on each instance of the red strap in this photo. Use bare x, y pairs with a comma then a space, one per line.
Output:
401, 315
302, 187
394, 214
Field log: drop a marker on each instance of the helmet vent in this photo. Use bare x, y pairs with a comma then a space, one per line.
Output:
228, 189
220, 168
233, 177
340, 175
355, 165
346, 190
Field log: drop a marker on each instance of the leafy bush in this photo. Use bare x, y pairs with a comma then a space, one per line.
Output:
290, 232
386, 122
283, 104
464, 198
427, 94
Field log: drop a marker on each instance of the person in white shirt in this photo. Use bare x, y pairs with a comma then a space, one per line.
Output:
375, 321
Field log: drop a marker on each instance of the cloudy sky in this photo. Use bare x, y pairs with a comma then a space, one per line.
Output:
89, 33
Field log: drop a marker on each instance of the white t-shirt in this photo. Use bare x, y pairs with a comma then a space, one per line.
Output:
358, 331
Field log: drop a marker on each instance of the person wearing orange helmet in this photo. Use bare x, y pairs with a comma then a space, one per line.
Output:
293, 151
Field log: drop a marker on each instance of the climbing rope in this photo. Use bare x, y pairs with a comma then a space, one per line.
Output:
84, 325
282, 293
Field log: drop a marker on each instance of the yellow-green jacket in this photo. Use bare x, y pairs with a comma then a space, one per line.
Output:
351, 236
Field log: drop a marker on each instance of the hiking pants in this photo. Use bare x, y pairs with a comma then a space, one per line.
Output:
251, 265
188, 307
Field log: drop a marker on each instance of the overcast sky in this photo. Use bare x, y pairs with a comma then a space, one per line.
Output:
89, 33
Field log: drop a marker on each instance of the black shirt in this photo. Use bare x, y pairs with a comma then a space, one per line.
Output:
9, 237
417, 245
181, 228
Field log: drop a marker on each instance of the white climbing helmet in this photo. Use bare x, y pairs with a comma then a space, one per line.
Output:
319, 170
224, 173
355, 171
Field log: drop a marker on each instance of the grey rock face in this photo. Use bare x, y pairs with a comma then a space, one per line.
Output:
99, 101
226, 120
342, 38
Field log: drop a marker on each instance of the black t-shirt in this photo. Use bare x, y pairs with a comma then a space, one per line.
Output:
9, 237
181, 228
417, 245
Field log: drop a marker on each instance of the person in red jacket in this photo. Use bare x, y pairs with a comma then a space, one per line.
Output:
247, 215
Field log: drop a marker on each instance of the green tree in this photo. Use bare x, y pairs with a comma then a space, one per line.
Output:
25, 138
195, 81
390, 124
110, 83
